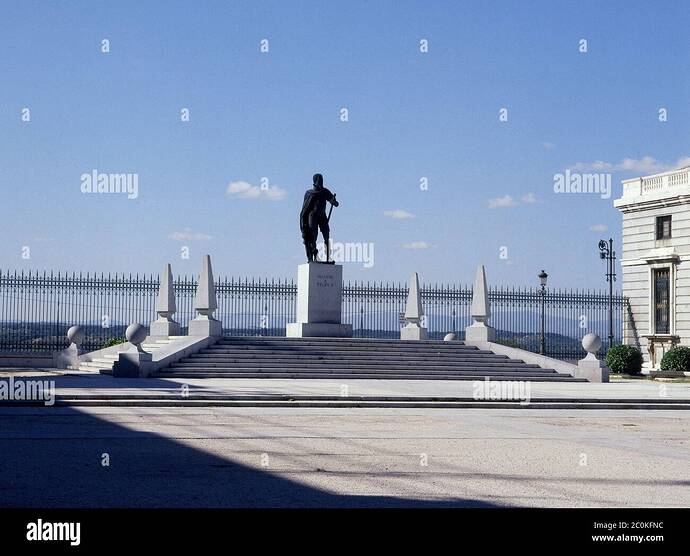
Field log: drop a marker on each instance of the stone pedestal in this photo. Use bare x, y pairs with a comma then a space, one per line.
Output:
67, 357
133, 364
412, 331
319, 302
203, 325
480, 332
165, 307
592, 369
165, 327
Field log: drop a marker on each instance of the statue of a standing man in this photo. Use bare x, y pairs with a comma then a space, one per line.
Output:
313, 218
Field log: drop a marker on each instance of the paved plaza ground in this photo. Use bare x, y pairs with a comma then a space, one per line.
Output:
79, 382
310, 457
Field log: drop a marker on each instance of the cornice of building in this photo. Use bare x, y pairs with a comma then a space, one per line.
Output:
657, 191
656, 257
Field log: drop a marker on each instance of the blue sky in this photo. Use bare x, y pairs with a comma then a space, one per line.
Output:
277, 115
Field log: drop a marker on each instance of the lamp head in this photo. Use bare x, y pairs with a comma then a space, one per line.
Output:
542, 278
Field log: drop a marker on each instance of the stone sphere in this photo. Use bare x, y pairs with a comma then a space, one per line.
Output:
451, 336
76, 334
136, 333
591, 342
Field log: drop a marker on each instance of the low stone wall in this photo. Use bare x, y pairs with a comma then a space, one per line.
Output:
26, 360
528, 357
131, 363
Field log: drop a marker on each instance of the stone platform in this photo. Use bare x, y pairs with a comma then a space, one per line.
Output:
319, 302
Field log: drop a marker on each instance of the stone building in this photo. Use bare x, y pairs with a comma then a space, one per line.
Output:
655, 261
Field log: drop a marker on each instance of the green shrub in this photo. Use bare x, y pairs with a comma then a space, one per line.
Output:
112, 342
624, 359
676, 359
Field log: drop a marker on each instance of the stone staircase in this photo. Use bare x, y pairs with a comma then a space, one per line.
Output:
104, 363
348, 358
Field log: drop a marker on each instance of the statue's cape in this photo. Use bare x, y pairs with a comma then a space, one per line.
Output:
307, 207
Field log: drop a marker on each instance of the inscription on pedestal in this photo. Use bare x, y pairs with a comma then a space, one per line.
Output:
325, 281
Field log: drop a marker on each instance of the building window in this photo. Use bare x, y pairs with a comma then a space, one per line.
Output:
661, 301
663, 227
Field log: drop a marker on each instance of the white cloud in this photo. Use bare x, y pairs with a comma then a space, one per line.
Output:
508, 201
417, 245
598, 228
398, 214
502, 202
188, 235
246, 190
644, 165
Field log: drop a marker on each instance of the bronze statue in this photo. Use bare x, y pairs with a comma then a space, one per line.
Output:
313, 218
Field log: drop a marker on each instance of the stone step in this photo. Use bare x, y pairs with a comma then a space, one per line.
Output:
315, 401
214, 358
384, 370
341, 404
174, 394
85, 367
107, 360
374, 365
102, 363
342, 343
349, 355
309, 346
94, 364
391, 375
317, 339
233, 373
345, 368
362, 363
347, 352
354, 358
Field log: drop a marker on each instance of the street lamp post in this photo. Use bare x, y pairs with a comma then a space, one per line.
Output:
607, 253
542, 282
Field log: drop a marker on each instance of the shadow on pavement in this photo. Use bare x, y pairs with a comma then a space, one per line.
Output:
51, 457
